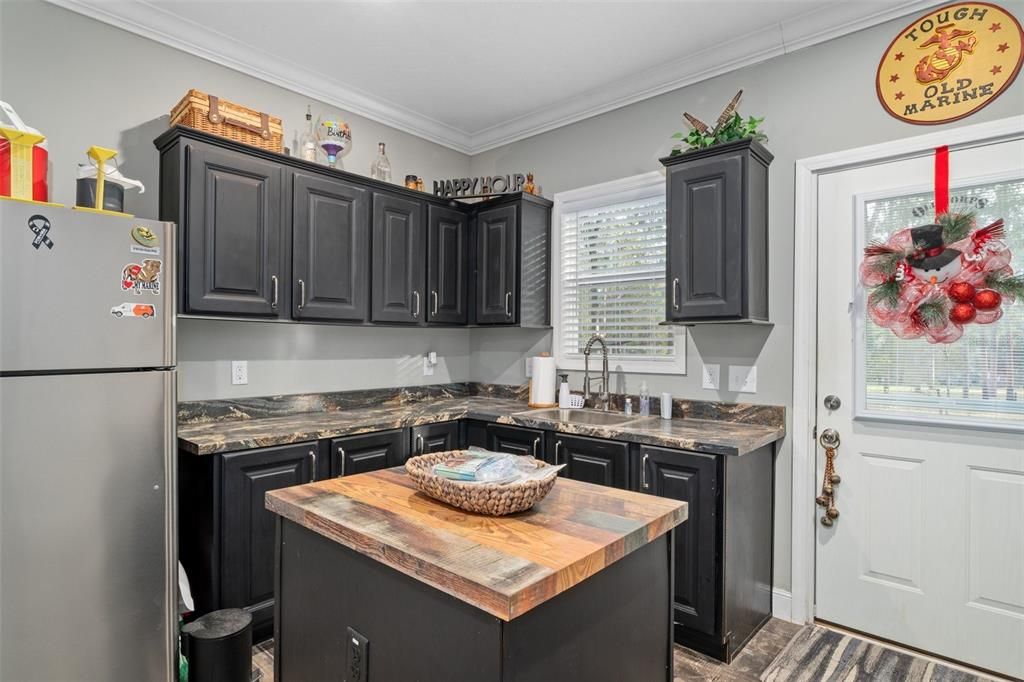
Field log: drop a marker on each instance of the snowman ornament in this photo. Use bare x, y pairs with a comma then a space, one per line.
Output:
931, 261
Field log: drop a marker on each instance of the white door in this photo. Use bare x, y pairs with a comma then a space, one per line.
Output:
928, 547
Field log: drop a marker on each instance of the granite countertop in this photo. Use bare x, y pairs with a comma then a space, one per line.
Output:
502, 565
242, 432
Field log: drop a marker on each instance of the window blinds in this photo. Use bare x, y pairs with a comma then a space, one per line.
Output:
612, 270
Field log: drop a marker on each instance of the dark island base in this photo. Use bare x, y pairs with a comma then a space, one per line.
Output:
615, 625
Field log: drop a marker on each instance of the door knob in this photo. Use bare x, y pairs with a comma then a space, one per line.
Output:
832, 402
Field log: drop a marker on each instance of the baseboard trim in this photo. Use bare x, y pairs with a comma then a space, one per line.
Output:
782, 604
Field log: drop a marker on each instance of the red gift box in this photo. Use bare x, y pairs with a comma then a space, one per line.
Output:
40, 160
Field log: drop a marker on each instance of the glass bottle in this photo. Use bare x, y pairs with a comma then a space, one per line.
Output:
380, 169
307, 142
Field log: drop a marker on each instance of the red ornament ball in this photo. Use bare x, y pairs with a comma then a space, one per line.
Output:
962, 292
962, 313
987, 299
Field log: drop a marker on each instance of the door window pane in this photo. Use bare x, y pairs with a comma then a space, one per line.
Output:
978, 379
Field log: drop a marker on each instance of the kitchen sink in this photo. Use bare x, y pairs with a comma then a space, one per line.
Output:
582, 416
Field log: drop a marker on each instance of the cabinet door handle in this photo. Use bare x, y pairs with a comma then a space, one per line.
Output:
302, 294
643, 472
341, 453
419, 444
312, 465
433, 295
675, 293
416, 304
508, 304
558, 446
536, 444
273, 292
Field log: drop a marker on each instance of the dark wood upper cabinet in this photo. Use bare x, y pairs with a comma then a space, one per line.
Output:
496, 256
447, 264
593, 460
717, 269
398, 262
263, 235
247, 529
232, 234
331, 241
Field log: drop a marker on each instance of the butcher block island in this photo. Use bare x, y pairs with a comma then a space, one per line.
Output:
378, 582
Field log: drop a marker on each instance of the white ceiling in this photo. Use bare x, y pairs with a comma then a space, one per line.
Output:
475, 75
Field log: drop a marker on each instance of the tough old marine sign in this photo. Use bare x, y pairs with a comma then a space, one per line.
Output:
950, 63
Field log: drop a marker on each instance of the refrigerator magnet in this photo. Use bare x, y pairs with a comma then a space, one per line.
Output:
142, 277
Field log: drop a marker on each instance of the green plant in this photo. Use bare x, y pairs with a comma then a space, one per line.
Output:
736, 128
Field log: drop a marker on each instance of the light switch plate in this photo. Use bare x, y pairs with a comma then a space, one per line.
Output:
428, 366
710, 376
743, 378
239, 372
529, 367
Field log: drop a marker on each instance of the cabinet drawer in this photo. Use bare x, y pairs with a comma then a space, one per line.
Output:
369, 452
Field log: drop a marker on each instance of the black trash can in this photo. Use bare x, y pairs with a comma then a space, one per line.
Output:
218, 646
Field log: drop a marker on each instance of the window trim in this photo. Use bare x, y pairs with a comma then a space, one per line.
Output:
624, 189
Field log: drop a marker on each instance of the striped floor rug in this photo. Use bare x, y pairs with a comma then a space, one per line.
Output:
818, 654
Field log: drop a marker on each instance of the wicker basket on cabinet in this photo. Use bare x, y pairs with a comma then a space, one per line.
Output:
220, 117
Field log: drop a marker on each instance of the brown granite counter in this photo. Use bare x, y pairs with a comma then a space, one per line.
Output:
226, 426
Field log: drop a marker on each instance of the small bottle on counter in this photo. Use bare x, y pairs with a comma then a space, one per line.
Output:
628, 408
564, 395
645, 400
666, 405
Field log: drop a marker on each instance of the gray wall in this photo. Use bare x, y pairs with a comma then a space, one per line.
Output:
48, 72
815, 101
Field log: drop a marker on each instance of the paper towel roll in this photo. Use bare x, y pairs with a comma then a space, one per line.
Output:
543, 388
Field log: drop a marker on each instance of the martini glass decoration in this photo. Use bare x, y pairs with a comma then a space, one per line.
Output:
334, 137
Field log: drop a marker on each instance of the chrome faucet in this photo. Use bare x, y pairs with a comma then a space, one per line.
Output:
603, 396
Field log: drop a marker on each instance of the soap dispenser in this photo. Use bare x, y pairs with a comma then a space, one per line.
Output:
564, 396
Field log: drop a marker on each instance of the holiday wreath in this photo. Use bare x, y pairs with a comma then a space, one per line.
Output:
933, 279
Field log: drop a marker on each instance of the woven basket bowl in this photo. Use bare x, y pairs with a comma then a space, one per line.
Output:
482, 498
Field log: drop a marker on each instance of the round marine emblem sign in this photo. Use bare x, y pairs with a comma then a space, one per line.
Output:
949, 63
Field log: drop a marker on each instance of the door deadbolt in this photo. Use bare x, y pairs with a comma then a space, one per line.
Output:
832, 402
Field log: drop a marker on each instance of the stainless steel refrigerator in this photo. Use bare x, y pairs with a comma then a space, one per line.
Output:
87, 446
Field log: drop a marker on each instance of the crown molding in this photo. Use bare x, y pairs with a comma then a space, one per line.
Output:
823, 24
149, 21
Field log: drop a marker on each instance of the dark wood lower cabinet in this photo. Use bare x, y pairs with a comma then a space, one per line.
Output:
723, 552
368, 452
434, 438
593, 460
723, 558
226, 534
515, 440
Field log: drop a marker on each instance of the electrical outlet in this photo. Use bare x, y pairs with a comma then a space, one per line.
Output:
710, 376
743, 379
428, 366
357, 662
239, 372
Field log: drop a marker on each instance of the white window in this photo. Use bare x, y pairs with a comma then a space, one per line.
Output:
610, 265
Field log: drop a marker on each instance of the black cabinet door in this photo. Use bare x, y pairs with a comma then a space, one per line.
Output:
368, 452
247, 528
233, 252
515, 440
398, 262
474, 433
447, 256
706, 254
593, 460
692, 478
433, 438
331, 249
496, 276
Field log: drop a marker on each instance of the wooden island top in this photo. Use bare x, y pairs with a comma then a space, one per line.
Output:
505, 566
